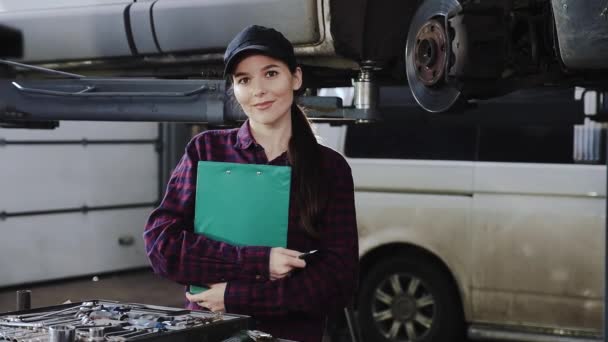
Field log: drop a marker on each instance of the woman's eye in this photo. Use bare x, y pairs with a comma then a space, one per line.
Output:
243, 80
271, 73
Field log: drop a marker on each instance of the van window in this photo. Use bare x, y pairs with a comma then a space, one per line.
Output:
439, 139
474, 137
560, 144
527, 144
411, 139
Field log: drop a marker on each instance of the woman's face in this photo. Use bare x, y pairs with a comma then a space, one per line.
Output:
264, 87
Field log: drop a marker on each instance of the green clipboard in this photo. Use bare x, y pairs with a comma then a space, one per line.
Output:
242, 204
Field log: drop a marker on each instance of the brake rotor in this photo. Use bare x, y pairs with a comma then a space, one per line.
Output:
427, 55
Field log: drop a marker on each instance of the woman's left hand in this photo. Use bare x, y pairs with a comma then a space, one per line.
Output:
212, 299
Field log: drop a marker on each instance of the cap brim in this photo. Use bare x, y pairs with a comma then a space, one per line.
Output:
239, 52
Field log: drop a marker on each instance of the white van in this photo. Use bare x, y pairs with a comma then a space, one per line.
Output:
492, 229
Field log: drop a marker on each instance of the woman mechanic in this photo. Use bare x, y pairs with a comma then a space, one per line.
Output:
287, 296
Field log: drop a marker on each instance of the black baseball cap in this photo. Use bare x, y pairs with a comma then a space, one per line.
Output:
264, 40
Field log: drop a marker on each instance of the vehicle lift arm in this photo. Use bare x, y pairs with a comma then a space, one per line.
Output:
42, 103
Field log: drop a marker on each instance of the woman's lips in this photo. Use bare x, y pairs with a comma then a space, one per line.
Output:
263, 105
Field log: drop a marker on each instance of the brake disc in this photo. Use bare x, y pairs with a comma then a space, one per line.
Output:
427, 55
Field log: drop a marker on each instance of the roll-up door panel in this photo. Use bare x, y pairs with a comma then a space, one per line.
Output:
78, 130
72, 33
183, 25
37, 248
51, 177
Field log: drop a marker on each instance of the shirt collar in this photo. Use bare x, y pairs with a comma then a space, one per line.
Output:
244, 138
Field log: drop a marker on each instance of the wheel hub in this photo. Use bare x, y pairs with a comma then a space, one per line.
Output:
404, 308
430, 52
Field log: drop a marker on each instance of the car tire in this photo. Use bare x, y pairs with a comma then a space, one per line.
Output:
409, 299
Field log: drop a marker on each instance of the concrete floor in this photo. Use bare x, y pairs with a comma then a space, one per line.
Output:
137, 286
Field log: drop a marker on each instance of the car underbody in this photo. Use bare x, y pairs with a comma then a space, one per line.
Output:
449, 51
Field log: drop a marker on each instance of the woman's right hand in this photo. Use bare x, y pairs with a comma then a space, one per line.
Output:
283, 261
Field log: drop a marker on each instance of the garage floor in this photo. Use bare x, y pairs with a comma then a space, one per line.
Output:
137, 286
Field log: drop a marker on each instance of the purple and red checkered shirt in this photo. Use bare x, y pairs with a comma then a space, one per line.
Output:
293, 307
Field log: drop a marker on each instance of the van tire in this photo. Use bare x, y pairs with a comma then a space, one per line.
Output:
443, 318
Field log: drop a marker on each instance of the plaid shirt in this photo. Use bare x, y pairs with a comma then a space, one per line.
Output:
293, 307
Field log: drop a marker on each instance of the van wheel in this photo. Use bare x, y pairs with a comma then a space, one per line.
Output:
409, 299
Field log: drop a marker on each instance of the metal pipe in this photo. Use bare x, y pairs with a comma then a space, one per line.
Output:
21, 324
366, 88
63, 321
41, 69
24, 300
41, 315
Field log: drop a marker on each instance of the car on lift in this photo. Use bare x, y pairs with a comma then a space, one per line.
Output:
449, 51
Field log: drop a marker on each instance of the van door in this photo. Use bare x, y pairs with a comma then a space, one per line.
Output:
539, 226
413, 178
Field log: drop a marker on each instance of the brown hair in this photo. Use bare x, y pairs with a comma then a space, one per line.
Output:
305, 157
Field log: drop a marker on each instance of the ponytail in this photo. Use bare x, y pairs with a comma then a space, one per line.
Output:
305, 157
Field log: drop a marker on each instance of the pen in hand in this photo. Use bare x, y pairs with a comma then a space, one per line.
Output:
305, 256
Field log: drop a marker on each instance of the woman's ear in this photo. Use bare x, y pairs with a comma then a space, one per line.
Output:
297, 79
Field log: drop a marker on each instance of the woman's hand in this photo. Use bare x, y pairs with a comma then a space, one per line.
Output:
212, 299
283, 261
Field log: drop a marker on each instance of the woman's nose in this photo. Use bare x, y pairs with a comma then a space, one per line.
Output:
258, 89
